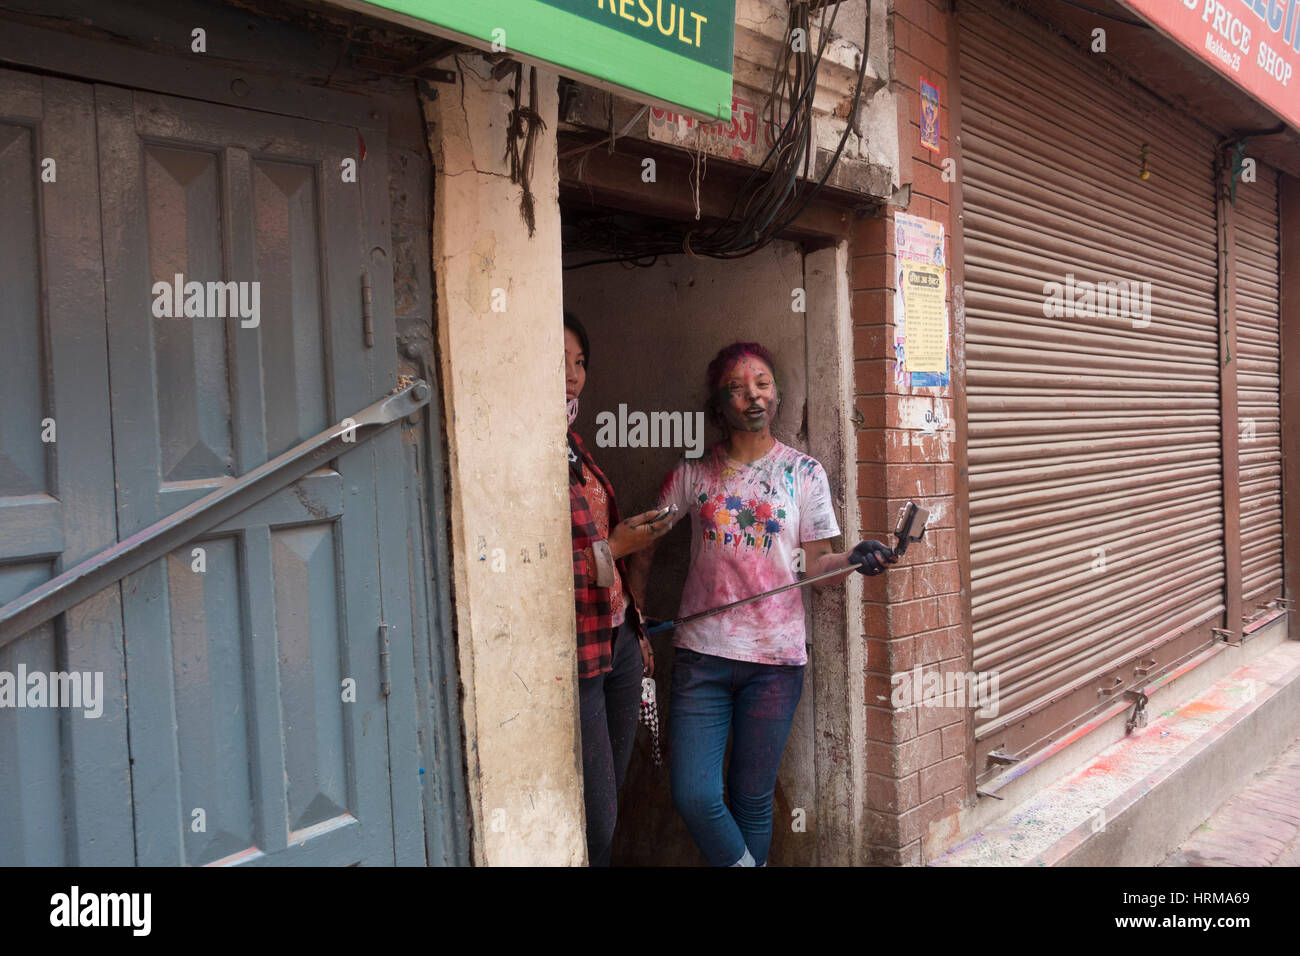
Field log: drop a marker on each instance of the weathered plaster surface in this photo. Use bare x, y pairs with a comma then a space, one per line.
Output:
502, 372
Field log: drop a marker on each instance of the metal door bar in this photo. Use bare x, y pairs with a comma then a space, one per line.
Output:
109, 566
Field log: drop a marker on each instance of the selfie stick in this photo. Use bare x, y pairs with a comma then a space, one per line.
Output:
910, 527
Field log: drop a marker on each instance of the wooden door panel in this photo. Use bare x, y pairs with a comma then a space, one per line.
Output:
65, 779
289, 606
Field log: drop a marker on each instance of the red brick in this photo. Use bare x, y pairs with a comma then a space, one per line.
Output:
872, 410
872, 375
942, 777
942, 577
907, 71
875, 619
881, 827
876, 662
922, 751
872, 235
900, 587
933, 54
954, 740
878, 855
902, 31
935, 449
885, 656
892, 795
894, 413
940, 543
882, 757
937, 20
939, 211
945, 477
913, 617
930, 718
871, 271
913, 11
871, 445
914, 824
871, 475
872, 510
954, 800
877, 690
928, 181
872, 307
888, 727
898, 445
949, 608
918, 205
943, 510
873, 342
943, 644
909, 480
876, 587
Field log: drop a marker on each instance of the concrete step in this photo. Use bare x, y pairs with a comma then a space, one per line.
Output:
1258, 826
1137, 800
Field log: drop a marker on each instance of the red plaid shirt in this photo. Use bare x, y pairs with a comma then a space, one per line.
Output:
592, 603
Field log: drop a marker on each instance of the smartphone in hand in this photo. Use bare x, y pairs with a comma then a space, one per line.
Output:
671, 509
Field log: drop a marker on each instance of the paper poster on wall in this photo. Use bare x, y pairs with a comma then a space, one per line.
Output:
920, 309
929, 116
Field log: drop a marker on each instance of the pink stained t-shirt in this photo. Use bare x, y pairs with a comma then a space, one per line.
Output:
747, 520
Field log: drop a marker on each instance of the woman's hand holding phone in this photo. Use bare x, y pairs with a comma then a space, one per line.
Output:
634, 533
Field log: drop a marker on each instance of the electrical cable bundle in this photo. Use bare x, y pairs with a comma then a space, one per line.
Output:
775, 193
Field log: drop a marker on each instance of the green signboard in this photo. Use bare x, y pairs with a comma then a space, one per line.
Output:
676, 52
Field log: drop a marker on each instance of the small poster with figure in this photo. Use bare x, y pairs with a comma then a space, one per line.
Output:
920, 306
929, 116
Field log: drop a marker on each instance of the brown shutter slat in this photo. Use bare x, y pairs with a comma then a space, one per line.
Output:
1087, 432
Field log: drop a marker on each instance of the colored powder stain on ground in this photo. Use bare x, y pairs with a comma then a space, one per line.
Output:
1203, 710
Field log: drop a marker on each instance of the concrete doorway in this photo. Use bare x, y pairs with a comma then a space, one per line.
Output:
654, 327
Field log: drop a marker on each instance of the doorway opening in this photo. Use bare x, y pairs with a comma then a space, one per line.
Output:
654, 326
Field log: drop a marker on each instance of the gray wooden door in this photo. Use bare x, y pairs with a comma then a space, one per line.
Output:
243, 651
65, 788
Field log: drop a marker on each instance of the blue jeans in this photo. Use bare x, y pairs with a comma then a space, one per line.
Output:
711, 695
608, 706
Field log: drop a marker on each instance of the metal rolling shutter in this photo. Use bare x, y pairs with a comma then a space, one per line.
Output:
1259, 388
1083, 433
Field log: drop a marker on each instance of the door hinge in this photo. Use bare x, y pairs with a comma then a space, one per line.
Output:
385, 669
367, 316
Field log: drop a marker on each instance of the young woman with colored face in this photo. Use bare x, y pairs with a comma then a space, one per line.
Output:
754, 503
613, 652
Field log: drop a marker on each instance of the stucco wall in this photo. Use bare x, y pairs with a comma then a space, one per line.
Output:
503, 382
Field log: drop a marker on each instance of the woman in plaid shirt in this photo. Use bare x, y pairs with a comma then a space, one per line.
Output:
613, 651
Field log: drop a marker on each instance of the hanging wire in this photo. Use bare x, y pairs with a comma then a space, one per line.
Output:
777, 190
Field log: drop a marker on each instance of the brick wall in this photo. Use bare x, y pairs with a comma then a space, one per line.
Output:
916, 756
